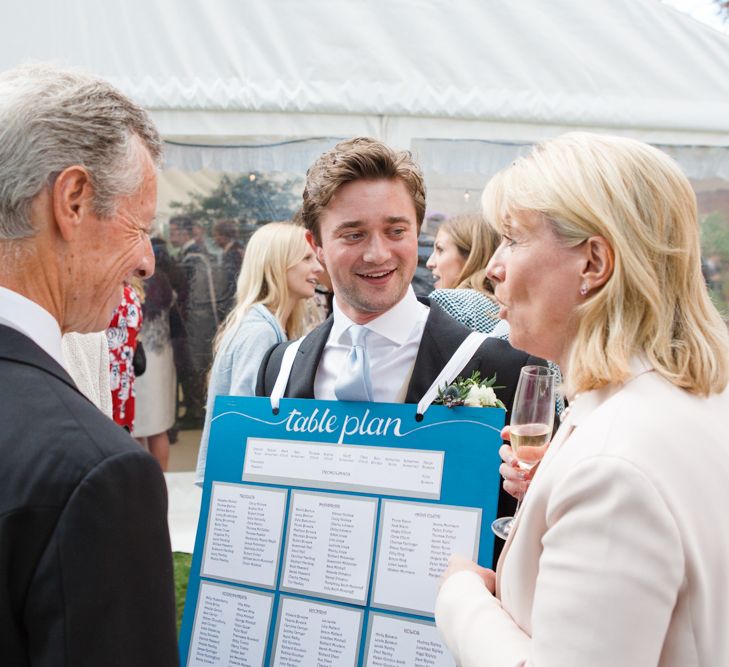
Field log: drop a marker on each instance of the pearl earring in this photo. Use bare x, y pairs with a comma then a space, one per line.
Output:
583, 290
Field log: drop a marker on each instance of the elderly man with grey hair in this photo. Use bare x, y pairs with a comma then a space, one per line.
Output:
85, 563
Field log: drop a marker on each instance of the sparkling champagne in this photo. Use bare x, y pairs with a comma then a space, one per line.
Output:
529, 441
532, 415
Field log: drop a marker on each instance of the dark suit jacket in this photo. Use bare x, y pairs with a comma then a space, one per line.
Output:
441, 337
85, 562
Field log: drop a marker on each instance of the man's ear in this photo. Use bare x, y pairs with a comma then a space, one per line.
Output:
318, 251
599, 262
72, 200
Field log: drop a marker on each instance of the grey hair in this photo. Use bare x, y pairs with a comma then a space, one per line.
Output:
53, 118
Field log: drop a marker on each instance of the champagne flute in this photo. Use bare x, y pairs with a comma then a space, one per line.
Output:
532, 419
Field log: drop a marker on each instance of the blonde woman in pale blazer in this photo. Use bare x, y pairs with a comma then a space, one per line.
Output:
619, 553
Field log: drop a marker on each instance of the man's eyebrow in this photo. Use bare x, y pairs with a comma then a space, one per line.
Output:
347, 224
356, 224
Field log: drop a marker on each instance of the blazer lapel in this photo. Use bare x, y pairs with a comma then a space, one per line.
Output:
563, 433
303, 372
16, 346
441, 337
579, 409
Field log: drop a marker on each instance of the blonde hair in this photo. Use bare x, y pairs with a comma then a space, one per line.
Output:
271, 252
655, 302
476, 241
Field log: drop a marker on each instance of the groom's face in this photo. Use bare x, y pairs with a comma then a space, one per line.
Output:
369, 245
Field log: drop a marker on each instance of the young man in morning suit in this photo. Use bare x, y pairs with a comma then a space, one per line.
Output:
363, 206
85, 562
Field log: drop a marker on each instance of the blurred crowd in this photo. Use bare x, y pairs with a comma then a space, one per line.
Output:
161, 337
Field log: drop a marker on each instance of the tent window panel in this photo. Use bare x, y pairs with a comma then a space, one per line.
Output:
201, 268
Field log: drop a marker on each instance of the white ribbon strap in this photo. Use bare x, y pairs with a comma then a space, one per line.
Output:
284, 372
450, 371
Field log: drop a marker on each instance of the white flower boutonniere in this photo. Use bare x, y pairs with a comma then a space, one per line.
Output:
472, 392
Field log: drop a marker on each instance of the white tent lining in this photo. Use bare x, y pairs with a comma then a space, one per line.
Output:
395, 69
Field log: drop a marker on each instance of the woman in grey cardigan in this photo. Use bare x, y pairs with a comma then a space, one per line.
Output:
279, 272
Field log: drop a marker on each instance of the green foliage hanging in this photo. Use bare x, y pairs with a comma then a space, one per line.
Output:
251, 198
715, 236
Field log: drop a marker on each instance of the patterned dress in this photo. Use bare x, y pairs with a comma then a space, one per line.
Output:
122, 337
469, 307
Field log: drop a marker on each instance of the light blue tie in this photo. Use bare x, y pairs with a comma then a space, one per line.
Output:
354, 383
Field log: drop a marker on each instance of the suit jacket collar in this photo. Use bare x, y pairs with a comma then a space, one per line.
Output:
17, 347
441, 337
21, 313
303, 372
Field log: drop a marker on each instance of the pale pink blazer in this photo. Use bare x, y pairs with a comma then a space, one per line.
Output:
620, 556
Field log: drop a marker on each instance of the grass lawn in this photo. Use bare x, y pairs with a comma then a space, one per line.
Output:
181, 562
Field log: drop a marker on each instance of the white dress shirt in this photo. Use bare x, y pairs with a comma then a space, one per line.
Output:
392, 346
26, 316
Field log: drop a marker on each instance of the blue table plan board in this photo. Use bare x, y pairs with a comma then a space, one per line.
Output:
324, 530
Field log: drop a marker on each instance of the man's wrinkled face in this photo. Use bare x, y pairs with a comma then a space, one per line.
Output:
114, 250
369, 246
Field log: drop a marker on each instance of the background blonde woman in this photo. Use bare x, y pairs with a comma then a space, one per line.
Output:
279, 271
463, 247
618, 555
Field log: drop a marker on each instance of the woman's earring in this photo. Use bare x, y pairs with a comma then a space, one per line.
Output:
583, 290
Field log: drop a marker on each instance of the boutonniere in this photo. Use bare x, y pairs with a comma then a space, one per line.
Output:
472, 392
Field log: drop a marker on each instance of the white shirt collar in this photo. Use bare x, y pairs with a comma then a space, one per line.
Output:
389, 324
27, 317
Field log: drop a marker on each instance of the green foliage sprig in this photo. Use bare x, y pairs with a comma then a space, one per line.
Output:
471, 391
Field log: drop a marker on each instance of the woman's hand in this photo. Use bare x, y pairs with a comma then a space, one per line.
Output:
516, 480
458, 563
